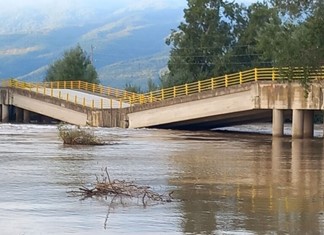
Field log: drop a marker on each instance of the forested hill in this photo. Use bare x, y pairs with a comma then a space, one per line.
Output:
126, 47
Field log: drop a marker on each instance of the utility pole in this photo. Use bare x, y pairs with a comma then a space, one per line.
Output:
91, 55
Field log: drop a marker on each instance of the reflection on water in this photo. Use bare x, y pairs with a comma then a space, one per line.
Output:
222, 182
251, 187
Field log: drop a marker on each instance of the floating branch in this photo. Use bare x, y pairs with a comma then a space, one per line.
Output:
105, 187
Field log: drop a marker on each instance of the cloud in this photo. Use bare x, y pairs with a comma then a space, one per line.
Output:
18, 51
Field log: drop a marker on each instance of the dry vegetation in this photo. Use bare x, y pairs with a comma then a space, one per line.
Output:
105, 187
117, 191
75, 135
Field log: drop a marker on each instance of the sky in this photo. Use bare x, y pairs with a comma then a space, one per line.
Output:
6, 5
20, 16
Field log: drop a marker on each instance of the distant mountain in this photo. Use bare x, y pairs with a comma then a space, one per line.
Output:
126, 46
134, 72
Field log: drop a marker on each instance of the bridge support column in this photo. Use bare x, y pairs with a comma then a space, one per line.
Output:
308, 124
26, 116
297, 124
277, 123
19, 114
5, 113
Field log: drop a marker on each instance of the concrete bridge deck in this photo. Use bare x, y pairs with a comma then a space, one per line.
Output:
244, 97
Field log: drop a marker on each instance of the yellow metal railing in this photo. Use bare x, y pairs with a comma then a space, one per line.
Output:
122, 97
111, 97
74, 85
253, 75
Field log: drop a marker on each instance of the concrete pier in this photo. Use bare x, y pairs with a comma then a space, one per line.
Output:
277, 123
308, 124
5, 113
26, 115
19, 115
298, 123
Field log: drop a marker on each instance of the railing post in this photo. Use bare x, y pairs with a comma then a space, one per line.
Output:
162, 94
212, 83
186, 87
57, 85
141, 99
273, 74
79, 85
151, 97
241, 78
199, 86
64, 84
71, 85
130, 100
226, 80
93, 87
256, 74
174, 92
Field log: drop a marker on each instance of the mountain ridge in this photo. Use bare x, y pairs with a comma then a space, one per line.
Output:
132, 40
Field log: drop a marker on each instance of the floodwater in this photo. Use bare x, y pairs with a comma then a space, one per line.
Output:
223, 183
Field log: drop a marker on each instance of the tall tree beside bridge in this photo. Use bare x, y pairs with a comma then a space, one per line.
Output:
75, 65
220, 36
298, 41
217, 37
200, 43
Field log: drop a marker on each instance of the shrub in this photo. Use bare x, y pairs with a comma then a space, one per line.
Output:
75, 135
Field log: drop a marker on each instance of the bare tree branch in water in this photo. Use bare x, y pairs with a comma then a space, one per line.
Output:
108, 212
105, 187
120, 189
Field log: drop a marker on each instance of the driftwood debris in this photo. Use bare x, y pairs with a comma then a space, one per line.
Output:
106, 187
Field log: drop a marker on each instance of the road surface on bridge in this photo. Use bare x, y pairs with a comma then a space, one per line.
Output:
83, 98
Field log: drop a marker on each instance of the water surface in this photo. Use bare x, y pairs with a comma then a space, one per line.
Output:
223, 183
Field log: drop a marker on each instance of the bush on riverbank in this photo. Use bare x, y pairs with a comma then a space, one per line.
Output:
75, 135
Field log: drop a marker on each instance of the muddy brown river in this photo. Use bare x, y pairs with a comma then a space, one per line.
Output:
223, 182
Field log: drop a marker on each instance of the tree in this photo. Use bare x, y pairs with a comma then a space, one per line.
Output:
298, 41
132, 88
201, 42
75, 65
244, 54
